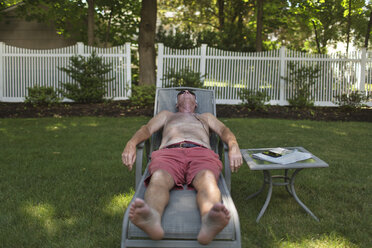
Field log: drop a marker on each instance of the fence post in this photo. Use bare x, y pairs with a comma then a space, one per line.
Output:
362, 76
282, 55
203, 57
80, 48
159, 71
1, 71
128, 84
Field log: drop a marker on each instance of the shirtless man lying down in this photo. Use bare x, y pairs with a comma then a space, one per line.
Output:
184, 157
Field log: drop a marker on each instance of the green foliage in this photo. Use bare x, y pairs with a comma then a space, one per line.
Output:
354, 100
41, 95
301, 79
143, 95
69, 17
254, 99
185, 77
177, 40
232, 39
89, 75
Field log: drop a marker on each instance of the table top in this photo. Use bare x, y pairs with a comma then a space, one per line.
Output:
257, 164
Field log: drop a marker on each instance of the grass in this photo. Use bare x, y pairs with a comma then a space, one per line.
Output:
62, 183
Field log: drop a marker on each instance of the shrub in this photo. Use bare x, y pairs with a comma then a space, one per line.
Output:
352, 101
89, 74
143, 95
42, 95
184, 78
254, 99
302, 79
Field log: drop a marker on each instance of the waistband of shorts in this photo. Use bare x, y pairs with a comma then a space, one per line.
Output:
184, 144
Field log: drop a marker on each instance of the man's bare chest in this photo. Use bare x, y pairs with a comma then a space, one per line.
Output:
186, 123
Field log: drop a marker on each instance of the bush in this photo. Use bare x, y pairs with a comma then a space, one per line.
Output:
143, 95
184, 78
352, 101
302, 79
42, 95
254, 99
89, 74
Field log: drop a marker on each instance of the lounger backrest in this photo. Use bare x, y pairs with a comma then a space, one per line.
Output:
166, 100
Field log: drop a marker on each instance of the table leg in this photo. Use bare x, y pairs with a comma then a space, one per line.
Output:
259, 191
287, 186
293, 191
268, 180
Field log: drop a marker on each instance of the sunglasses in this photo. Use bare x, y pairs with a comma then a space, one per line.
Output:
184, 91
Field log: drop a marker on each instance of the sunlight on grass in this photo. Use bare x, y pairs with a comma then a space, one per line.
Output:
119, 203
92, 124
326, 241
45, 215
211, 83
341, 133
55, 127
214, 83
301, 126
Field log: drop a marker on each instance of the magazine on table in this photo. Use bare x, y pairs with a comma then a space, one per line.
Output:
282, 156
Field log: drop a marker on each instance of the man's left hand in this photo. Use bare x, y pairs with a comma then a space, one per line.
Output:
235, 158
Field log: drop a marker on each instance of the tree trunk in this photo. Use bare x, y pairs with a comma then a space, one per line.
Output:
107, 36
221, 14
316, 37
259, 25
368, 31
90, 22
348, 27
146, 42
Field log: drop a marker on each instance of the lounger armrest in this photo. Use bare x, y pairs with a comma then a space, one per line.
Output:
224, 151
139, 156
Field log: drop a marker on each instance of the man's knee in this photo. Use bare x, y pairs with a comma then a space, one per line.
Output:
205, 178
161, 178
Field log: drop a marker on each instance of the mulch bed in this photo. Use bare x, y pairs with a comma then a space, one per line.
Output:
124, 108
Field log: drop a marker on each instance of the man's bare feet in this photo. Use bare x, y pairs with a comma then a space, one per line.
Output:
146, 218
213, 223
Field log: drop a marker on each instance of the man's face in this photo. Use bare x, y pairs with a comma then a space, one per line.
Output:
186, 96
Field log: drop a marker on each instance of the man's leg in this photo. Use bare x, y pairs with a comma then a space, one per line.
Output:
147, 214
214, 214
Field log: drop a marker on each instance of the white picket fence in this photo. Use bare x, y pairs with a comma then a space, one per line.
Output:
22, 68
228, 72
225, 72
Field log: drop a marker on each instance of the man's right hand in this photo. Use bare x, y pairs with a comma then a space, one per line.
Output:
129, 155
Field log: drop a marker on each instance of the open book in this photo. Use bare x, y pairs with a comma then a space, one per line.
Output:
282, 156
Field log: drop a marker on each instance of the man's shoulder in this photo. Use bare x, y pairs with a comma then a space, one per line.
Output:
207, 115
165, 112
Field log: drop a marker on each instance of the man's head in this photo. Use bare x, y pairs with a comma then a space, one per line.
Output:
186, 99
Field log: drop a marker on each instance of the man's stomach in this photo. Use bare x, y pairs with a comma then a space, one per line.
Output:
184, 139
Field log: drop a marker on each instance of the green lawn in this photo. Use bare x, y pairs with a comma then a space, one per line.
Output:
62, 183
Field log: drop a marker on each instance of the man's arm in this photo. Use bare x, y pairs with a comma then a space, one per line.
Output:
229, 138
129, 154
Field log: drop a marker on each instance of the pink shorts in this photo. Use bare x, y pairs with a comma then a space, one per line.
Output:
184, 163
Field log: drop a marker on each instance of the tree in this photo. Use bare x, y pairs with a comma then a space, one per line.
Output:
90, 22
323, 18
146, 42
93, 21
368, 30
222, 24
259, 24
